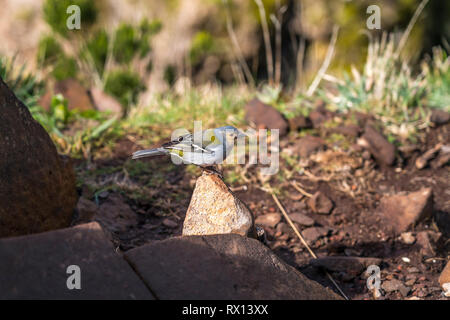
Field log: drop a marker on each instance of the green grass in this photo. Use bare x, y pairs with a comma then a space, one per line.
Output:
26, 86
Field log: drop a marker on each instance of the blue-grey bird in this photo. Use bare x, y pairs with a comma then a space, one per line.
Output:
216, 144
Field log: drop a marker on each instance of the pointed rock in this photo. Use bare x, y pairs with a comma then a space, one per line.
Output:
403, 211
214, 209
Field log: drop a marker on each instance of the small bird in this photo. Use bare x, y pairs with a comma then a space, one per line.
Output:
215, 146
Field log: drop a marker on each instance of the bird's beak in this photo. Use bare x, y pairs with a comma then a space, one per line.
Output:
241, 134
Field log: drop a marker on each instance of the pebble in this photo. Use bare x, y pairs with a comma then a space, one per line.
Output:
169, 223
302, 219
269, 220
408, 238
413, 270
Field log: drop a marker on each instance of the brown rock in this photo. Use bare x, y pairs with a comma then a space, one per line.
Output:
351, 265
299, 122
351, 130
408, 237
442, 159
315, 233
265, 116
403, 211
115, 215
77, 96
222, 267
308, 145
381, 149
37, 186
269, 220
427, 241
320, 115
439, 116
320, 203
445, 276
35, 267
104, 102
169, 223
86, 210
302, 219
422, 161
214, 209
395, 285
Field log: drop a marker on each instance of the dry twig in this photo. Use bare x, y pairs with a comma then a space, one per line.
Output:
283, 211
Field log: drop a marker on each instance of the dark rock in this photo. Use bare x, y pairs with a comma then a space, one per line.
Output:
269, 220
35, 267
37, 186
299, 122
315, 233
86, 210
320, 203
439, 116
301, 219
351, 265
227, 266
381, 149
77, 96
403, 211
265, 116
308, 145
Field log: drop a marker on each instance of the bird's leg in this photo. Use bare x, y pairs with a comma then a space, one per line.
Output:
212, 170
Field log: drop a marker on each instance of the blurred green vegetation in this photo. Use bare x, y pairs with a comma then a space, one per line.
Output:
125, 85
27, 87
56, 16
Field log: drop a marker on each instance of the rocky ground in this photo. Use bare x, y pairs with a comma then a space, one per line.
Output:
356, 198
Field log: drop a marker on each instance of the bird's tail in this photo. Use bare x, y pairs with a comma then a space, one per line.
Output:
148, 153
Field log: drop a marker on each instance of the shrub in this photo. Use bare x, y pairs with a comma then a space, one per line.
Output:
125, 86
202, 44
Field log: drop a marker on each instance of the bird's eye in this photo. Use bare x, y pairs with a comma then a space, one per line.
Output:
213, 138
180, 139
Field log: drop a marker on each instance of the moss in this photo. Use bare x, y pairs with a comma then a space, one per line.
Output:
55, 14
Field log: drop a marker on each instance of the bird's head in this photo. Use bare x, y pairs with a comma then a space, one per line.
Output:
229, 133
